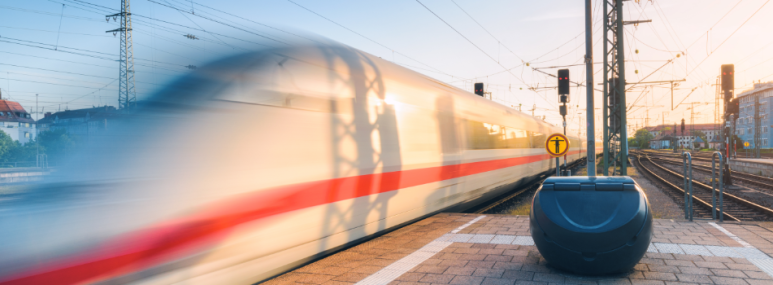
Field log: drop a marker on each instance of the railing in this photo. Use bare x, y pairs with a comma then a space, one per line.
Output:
687, 162
17, 164
717, 184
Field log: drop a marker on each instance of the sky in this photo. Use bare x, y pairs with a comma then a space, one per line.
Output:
59, 50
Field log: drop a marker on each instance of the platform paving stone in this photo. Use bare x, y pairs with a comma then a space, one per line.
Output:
451, 248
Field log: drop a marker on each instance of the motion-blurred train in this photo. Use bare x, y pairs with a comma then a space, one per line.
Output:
260, 162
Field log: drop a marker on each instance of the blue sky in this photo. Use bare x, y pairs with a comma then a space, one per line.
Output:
542, 33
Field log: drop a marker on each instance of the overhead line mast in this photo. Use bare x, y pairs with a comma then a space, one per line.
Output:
127, 94
615, 125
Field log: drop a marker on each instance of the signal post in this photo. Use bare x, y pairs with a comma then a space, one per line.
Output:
563, 97
731, 111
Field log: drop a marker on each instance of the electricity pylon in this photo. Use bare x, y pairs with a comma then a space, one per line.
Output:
127, 94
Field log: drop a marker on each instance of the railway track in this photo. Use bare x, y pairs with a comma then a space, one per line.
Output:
505, 201
735, 208
760, 182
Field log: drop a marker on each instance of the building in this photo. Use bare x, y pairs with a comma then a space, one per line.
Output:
81, 122
685, 140
745, 127
16, 122
662, 142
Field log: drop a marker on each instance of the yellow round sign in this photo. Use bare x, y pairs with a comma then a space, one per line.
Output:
746, 144
557, 145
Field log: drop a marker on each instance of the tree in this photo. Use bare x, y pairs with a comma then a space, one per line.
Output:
642, 138
6, 144
55, 144
701, 135
22, 153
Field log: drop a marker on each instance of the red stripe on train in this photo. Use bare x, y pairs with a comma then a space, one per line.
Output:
178, 238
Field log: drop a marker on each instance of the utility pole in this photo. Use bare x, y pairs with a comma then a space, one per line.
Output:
663, 119
591, 129
615, 126
127, 94
717, 112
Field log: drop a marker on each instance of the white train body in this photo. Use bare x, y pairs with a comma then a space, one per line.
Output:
261, 162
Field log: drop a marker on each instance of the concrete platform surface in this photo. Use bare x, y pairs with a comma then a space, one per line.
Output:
452, 248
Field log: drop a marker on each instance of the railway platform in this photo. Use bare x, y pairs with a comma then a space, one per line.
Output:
450, 248
758, 166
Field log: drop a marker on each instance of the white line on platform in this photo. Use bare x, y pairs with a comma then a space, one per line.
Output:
400, 267
731, 235
394, 270
754, 255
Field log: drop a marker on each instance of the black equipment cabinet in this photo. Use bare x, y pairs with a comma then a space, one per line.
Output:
591, 225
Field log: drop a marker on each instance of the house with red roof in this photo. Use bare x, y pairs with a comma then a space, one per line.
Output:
16, 122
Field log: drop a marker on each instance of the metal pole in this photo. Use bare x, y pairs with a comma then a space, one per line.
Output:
621, 89
713, 185
605, 107
567, 143
591, 130
721, 188
684, 171
558, 167
687, 160
720, 184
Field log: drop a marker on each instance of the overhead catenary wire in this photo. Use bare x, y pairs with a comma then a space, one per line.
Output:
367, 38
728, 37
476, 46
487, 31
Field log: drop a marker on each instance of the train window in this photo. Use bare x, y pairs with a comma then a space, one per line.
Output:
517, 138
493, 136
479, 137
538, 140
574, 143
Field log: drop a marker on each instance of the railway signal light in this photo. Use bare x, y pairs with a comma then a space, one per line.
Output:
563, 83
732, 107
479, 89
728, 79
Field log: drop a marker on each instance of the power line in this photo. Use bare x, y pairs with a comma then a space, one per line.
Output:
484, 52
47, 31
35, 44
58, 71
487, 31
213, 20
367, 38
728, 37
262, 24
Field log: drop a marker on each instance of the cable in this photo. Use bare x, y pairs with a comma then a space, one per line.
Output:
95, 76
197, 25
77, 53
47, 31
489, 33
476, 46
715, 24
728, 37
367, 38
213, 20
135, 21
262, 24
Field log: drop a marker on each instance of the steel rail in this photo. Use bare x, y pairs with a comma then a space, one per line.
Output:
754, 206
681, 191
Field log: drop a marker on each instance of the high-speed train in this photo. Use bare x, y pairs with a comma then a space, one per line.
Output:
261, 162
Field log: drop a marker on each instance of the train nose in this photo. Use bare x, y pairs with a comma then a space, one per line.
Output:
591, 225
